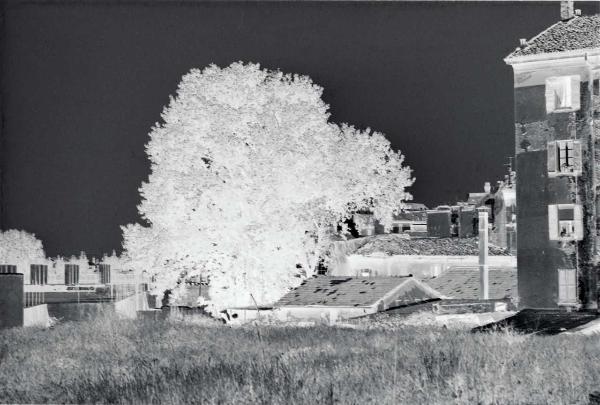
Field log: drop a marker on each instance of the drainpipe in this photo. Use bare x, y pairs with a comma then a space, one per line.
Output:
591, 200
483, 254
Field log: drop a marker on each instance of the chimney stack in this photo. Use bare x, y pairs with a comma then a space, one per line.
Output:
487, 187
566, 10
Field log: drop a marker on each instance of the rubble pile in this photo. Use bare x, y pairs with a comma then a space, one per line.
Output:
429, 319
393, 244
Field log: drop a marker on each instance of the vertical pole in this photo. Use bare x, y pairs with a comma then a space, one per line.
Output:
483, 254
590, 243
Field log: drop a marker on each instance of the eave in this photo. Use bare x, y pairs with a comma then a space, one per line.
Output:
540, 58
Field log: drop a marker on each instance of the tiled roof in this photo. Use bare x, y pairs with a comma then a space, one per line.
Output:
577, 33
463, 283
392, 244
342, 291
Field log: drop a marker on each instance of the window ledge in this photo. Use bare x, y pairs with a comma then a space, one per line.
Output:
574, 304
575, 173
564, 110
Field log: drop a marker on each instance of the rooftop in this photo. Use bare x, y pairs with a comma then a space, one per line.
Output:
417, 216
339, 291
580, 32
394, 244
412, 206
463, 283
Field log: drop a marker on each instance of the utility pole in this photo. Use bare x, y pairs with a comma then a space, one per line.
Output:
483, 254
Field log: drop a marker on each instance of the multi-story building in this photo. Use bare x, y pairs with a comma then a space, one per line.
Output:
557, 117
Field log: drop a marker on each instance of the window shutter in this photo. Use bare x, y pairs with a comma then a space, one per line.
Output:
577, 156
551, 157
562, 293
572, 290
553, 222
567, 286
575, 92
549, 96
578, 219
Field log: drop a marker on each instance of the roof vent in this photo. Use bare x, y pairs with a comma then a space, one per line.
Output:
566, 10
522, 42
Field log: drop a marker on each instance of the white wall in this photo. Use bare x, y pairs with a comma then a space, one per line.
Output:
36, 316
128, 307
418, 266
317, 314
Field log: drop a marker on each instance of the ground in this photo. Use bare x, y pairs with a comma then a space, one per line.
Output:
109, 360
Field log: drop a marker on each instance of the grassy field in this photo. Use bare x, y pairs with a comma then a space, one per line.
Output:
168, 362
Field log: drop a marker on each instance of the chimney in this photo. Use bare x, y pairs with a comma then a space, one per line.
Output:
522, 42
487, 187
483, 254
577, 12
566, 10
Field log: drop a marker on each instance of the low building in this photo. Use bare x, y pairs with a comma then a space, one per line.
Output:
412, 219
395, 255
410, 222
351, 297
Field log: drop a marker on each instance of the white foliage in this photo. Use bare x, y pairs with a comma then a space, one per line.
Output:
249, 179
20, 248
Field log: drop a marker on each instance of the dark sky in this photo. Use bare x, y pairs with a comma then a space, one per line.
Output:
82, 84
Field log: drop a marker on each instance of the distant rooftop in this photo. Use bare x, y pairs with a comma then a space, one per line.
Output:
580, 32
393, 244
416, 216
412, 206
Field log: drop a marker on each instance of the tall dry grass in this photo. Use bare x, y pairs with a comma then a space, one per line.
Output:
171, 362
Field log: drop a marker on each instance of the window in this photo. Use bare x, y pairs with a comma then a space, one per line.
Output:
38, 274
406, 228
104, 273
396, 229
567, 286
564, 158
71, 274
562, 93
565, 222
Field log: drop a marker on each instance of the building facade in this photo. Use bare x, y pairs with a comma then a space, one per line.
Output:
557, 111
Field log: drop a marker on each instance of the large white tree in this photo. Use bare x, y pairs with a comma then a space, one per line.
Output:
249, 180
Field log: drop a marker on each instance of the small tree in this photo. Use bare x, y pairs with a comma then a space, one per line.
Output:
21, 249
249, 180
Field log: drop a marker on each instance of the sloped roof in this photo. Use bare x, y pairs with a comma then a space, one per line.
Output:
577, 33
339, 291
394, 244
463, 283
412, 206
